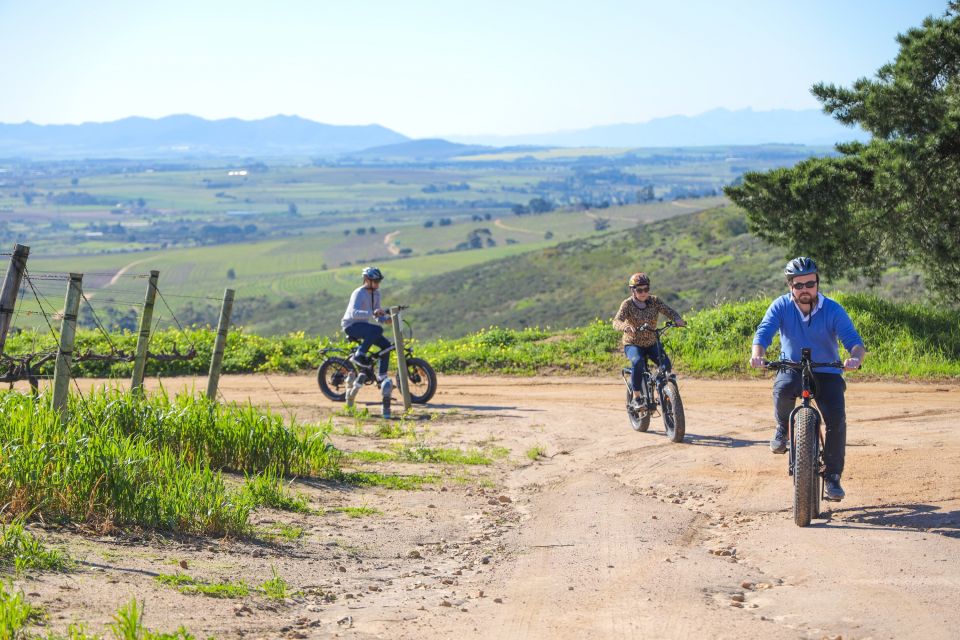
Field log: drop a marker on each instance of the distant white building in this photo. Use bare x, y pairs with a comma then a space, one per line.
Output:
237, 172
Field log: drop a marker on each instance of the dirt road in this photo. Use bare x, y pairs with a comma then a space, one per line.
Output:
610, 534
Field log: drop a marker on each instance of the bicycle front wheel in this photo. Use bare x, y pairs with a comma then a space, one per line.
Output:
672, 409
639, 422
806, 480
422, 380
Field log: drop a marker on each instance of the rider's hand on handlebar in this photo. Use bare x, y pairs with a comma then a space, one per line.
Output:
680, 323
757, 362
851, 364
378, 313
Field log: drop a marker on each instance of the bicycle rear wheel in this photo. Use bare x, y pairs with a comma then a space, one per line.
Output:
806, 479
332, 378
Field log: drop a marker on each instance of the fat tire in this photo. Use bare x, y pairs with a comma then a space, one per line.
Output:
636, 421
805, 463
674, 421
422, 380
332, 378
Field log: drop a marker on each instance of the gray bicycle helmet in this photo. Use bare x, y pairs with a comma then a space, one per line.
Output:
372, 273
801, 266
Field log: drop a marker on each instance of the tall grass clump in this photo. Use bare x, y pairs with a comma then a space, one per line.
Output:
93, 473
23, 550
151, 462
128, 625
231, 437
266, 489
15, 612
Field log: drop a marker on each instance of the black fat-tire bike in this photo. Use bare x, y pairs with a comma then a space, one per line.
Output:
805, 460
337, 373
658, 390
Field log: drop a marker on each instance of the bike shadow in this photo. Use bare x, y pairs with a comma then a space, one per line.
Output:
908, 517
482, 407
725, 442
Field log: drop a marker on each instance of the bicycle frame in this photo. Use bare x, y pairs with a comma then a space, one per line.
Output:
662, 376
807, 393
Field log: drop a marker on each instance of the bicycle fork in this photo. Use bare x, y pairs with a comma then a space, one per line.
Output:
805, 404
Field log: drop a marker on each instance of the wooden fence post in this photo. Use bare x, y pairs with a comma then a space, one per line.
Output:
143, 339
216, 360
401, 357
68, 330
11, 285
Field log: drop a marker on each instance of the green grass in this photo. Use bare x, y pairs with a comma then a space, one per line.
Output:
128, 625
356, 512
151, 462
23, 550
386, 480
282, 531
191, 586
266, 490
423, 454
537, 452
15, 612
903, 338
276, 588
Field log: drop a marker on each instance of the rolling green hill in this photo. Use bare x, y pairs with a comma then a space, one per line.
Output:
695, 261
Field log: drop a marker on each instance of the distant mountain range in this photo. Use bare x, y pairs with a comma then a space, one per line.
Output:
716, 127
186, 135
189, 136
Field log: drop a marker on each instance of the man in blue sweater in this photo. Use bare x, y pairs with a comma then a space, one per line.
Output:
806, 318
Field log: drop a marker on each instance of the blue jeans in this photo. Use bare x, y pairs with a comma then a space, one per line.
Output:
828, 394
639, 356
370, 334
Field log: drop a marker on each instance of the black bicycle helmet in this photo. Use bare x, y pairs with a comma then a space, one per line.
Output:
801, 266
373, 274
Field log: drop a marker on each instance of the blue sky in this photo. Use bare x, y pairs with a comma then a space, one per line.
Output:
433, 68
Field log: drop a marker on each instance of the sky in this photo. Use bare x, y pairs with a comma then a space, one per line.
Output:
431, 68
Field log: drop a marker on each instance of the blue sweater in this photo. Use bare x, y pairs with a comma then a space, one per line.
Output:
819, 332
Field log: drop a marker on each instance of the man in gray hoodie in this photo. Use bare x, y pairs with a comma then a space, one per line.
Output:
364, 318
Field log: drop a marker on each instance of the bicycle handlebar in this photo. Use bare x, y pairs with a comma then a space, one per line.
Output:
797, 366
658, 330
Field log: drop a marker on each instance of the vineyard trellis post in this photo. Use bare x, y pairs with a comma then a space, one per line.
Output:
220, 344
68, 331
11, 285
143, 338
401, 357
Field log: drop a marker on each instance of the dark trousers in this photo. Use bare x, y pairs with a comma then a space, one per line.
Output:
370, 334
638, 357
828, 395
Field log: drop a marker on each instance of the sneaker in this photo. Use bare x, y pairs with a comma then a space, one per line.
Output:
832, 489
778, 444
360, 359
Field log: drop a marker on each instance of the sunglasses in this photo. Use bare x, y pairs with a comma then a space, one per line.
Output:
804, 285
641, 289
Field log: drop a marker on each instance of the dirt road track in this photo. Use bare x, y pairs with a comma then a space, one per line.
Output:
618, 534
